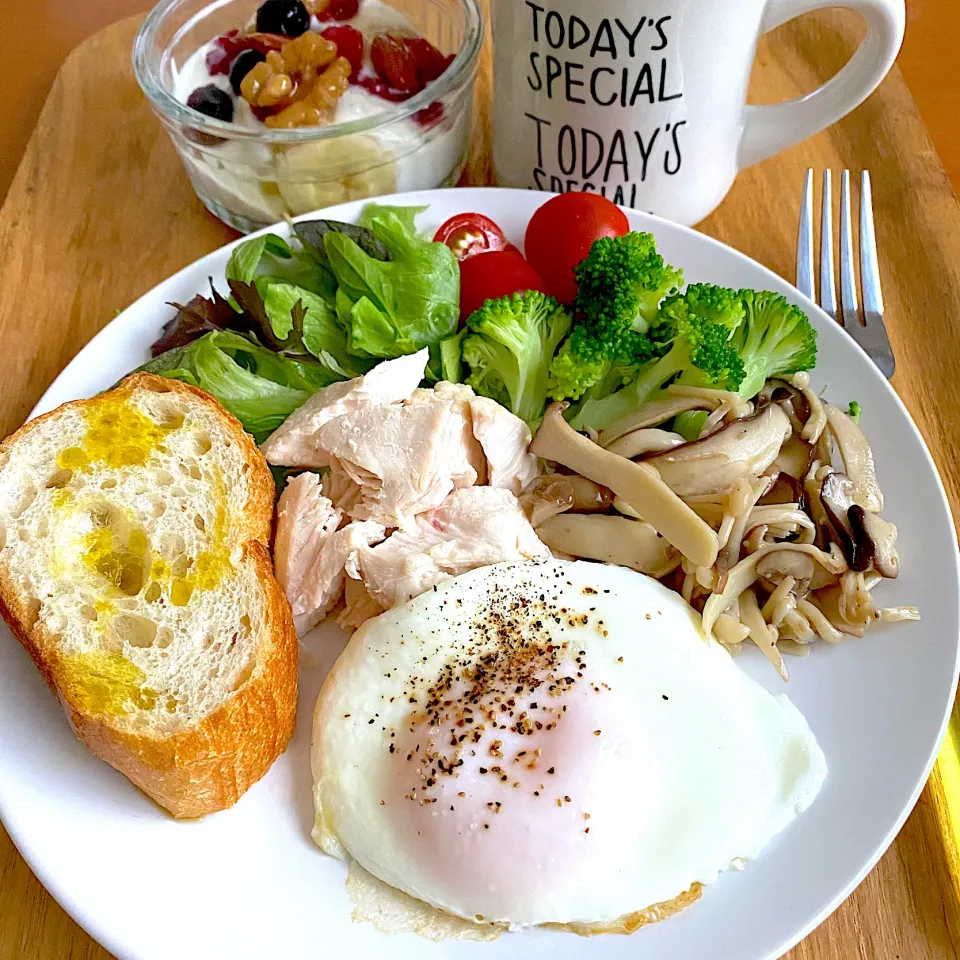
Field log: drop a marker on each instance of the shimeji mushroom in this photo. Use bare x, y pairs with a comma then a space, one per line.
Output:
741, 449
629, 543
554, 493
644, 441
638, 484
876, 542
857, 458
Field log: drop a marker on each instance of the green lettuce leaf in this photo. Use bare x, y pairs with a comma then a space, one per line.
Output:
269, 259
321, 333
394, 307
259, 387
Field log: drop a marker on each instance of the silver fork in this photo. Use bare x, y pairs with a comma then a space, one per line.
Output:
867, 328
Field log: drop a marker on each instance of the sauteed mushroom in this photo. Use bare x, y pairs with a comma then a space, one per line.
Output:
651, 415
876, 542
630, 543
837, 494
637, 483
743, 448
644, 441
857, 458
545, 497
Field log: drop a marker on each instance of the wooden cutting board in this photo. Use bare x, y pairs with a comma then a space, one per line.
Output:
100, 211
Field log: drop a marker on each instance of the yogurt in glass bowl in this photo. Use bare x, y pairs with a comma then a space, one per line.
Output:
381, 93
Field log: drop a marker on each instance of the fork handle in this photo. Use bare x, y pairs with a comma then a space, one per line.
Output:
769, 129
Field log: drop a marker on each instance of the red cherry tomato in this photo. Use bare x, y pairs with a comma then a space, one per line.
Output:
487, 276
561, 233
467, 234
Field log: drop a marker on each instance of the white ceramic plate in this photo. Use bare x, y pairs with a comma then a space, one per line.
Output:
249, 883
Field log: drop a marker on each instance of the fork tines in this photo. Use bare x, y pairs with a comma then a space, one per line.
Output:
866, 328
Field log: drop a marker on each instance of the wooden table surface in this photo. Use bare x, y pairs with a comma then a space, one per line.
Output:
100, 211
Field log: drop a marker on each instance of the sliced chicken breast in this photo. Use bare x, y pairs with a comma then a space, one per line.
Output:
473, 527
310, 552
305, 521
462, 432
359, 606
292, 445
505, 439
340, 487
406, 459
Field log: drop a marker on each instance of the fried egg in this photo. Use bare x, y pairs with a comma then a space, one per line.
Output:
551, 742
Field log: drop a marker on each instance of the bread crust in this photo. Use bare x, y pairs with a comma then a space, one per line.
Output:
210, 766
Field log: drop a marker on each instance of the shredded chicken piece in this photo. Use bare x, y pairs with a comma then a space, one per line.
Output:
505, 440
293, 445
311, 552
359, 605
472, 528
406, 459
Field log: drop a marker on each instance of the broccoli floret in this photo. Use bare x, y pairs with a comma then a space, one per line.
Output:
706, 301
583, 366
854, 411
508, 348
775, 339
621, 282
696, 324
619, 287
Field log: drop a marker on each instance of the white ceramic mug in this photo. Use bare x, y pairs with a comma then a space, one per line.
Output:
645, 100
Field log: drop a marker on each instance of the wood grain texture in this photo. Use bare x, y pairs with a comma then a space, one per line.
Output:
99, 212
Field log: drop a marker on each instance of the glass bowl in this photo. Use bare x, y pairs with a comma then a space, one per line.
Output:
253, 176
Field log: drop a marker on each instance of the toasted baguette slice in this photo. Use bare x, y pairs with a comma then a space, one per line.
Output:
134, 568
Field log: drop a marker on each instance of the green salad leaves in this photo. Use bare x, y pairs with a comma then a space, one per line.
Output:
394, 307
326, 306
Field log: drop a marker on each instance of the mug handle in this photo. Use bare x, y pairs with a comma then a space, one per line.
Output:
769, 129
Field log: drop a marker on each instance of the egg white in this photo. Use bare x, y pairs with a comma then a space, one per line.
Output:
631, 759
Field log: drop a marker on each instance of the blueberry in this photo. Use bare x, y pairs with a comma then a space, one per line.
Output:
242, 64
289, 17
212, 101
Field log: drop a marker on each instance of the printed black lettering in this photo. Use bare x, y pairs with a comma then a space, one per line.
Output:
645, 150
556, 35
554, 69
538, 85
643, 85
567, 146
631, 37
573, 41
571, 186
603, 40
538, 174
618, 195
676, 149
662, 96
594, 95
588, 188
568, 69
663, 37
556, 184
540, 122
617, 157
536, 26
586, 136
